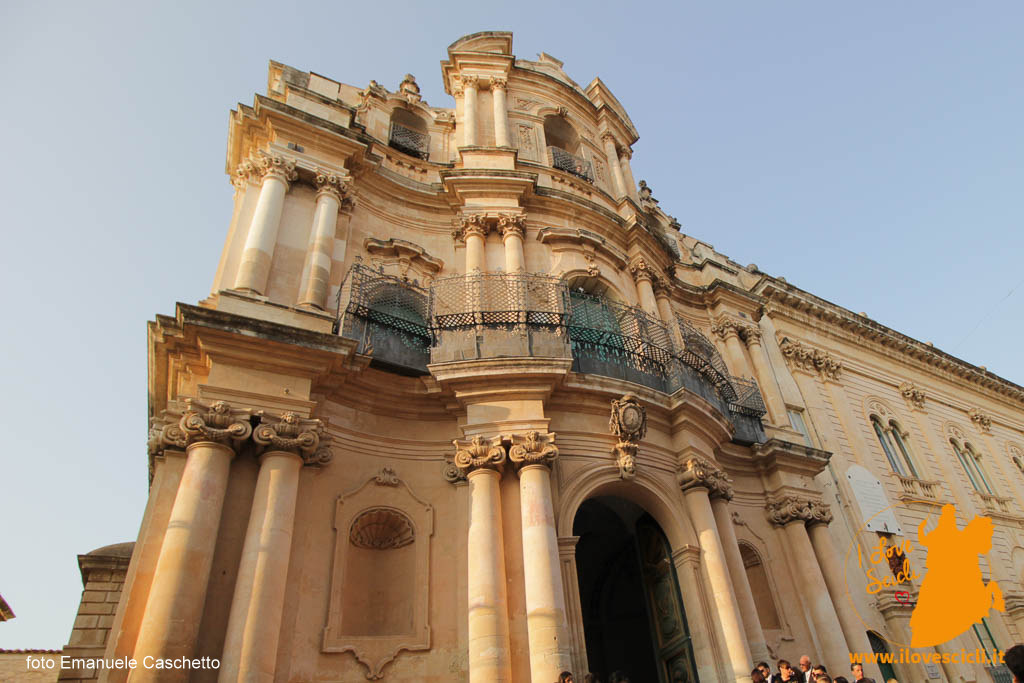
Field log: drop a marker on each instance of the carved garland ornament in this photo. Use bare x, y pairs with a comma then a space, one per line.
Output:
982, 420
912, 394
810, 359
629, 423
782, 511
698, 471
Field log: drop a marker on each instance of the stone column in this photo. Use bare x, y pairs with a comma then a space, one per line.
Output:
469, 137
738, 574
317, 271
573, 607
644, 278
666, 314
174, 607
253, 271
533, 454
499, 88
699, 478
765, 377
791, 513
618, 184
832, 571
625, 154
254, 624
512, 229
481, 461
729, 331
473, 230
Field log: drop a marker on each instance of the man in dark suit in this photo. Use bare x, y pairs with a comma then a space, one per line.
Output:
858, 674
1014, 660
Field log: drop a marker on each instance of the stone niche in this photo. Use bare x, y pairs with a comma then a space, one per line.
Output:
381, 573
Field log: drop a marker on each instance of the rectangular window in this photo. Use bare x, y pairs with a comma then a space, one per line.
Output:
796, 419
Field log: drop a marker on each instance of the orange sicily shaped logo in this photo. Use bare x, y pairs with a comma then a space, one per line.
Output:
953, 595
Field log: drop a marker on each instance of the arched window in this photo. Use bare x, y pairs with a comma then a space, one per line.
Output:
564, 148
409, 134
899, 436
893, 440
972, 466
888, 447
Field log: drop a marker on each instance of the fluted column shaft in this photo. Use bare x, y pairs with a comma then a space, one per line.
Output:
469, 113
498, 93
545, 597
254, 625
832, 572
174, 607
489, 649
612, 155
317, 273
738, 573
668, 317
699, 507
823, 612
766, 380
258, 251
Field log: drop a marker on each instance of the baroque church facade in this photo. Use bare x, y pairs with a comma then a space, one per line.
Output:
466, 404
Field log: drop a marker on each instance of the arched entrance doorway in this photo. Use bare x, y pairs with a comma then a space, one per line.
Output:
633, 616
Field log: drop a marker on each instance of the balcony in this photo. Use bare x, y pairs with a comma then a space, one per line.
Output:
570, 163
996, 504
388, 317
494, 315
507, 315
918, 488
408, 141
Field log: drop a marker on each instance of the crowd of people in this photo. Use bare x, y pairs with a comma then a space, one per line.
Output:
808, 673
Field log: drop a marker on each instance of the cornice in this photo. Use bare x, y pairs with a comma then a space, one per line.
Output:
802, 306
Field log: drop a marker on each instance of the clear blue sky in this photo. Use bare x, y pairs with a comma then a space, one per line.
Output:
871, 153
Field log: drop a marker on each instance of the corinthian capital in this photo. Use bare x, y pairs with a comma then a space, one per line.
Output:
246, 172
470, 81
305, 437
782, 511
512, 224
532, 448
330, 183
479, 453
697, 471
641, 271
217, 422
498, 83
724, 328
751, 334
470, 224
276, 166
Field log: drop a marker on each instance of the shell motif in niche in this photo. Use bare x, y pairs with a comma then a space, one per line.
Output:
381, 529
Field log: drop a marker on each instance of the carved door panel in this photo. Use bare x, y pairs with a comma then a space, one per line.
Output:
665, 604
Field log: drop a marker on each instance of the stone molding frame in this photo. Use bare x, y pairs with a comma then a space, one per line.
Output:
383, 491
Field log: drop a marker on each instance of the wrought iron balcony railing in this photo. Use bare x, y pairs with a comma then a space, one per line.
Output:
400, 324
409, 141
570, 163
387, 316
498, 300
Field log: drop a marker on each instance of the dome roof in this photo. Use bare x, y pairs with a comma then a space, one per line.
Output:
114, 550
